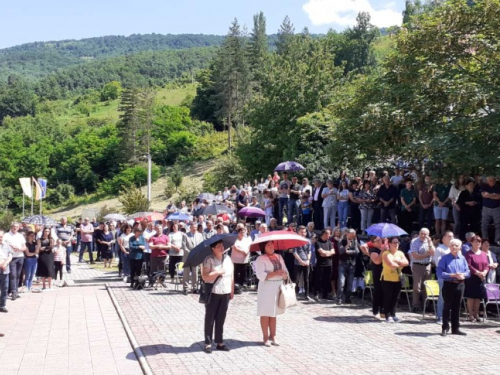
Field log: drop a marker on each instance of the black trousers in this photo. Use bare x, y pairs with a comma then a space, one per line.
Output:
16, 269
289, 263
174, 259
406, 220
302, 270
317, 216
323, 284
452, 296
240, 273
135, 270
147, 260
215, 314
391, 291
378, 294
58, 268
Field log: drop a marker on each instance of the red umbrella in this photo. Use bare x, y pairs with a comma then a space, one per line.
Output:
282, 239
251, 212
150, 216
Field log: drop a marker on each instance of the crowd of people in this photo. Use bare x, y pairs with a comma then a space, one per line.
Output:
333, 216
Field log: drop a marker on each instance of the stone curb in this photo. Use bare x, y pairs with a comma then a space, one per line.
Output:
133, 341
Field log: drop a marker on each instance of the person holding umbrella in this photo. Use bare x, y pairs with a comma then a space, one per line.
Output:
271, 271
218, 270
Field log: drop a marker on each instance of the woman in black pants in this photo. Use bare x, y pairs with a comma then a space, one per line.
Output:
218, 270
393, 261
137, 245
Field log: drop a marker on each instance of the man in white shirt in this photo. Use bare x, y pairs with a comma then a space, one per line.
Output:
226, 193
148, 233
441, 250
5, 259
183, 209
17, 243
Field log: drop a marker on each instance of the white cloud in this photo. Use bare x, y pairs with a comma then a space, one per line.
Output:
344, 12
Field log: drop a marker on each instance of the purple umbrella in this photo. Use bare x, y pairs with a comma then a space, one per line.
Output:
251, 212
289, 166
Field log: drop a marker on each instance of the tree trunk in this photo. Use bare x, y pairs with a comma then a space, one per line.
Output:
229, 126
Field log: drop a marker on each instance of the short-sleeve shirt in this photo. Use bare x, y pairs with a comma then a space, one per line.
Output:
86, 228
426, 197
64, 232
326, 246
303, 253
15, 240
407, 196
5, 251
487, 202
388, 193
243, 244
224, 284
159, 240
295, 187
442, 191
389, 274
284, 186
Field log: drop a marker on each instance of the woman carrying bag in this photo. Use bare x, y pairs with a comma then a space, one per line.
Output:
218, 270
271, 272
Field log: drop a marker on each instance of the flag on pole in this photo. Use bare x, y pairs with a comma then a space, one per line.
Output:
43, 186
26, 186
38, 189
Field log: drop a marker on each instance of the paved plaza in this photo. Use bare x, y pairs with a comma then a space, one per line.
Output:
77, 330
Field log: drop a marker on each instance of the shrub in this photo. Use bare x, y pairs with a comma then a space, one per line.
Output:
133, 200
105, 210
6, 219
61, 194
188, 194
133, 176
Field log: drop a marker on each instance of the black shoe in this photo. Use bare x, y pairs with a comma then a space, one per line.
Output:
458, 332
208, 349
348, 301
195, 291
222, 347
92, 262
185, 292
445, 332
3, 309
416, 310
13, 297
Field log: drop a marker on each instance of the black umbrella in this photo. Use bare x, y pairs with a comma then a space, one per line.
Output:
215, 209
40, 220
198, 254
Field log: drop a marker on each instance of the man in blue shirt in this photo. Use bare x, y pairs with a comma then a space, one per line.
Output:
453, 270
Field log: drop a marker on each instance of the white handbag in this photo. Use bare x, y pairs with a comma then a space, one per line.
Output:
287, 297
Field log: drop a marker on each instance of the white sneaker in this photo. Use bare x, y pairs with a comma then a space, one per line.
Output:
390, 320
377, 316
396, 319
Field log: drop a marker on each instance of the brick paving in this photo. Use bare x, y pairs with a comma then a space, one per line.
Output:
315, 338
73, 330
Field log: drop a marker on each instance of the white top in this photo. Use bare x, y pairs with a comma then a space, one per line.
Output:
454, 192
243, 244
331, 200
147, 236
396, 179
225, 283
15, 240
176, 240
126, 239
440, 251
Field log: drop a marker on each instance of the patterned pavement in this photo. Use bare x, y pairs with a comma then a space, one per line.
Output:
315, 338
76, 330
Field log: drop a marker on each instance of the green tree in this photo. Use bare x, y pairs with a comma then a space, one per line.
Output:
133, 200
111, 91
17, 98
232, 79
258, 45
285, 36
176, 176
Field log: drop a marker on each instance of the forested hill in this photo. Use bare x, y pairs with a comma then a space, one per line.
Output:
36, 60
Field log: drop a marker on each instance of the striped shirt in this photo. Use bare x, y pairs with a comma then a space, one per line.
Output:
420, 247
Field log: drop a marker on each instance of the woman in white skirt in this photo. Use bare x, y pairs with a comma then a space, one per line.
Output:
271, 271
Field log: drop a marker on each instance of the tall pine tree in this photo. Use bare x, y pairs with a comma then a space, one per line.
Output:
258, 47
285, 36
232, 78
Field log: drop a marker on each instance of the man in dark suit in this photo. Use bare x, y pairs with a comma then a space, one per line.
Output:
317, 204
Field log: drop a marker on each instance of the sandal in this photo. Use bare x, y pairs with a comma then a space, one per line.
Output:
267, 343
222, 347
275, 343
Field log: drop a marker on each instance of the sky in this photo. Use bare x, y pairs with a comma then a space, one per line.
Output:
24, 21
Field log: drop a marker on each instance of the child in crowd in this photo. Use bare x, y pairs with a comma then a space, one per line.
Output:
59, 259
306, 208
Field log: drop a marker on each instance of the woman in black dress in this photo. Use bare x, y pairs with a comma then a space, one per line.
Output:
45, 268
470, 209
105, 245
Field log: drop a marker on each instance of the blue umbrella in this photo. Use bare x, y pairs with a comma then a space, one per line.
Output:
179, 216
385, 230
198, 254
289, 166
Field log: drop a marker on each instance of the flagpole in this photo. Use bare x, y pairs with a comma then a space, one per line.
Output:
23, 205
32, 194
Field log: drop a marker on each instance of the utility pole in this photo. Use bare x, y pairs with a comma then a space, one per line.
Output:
149, 177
